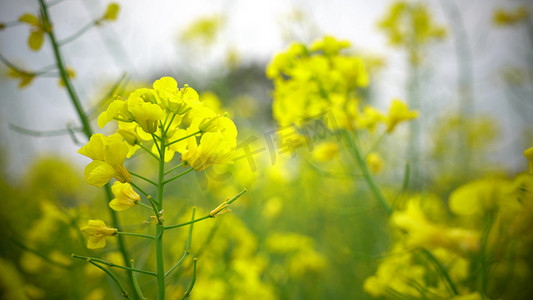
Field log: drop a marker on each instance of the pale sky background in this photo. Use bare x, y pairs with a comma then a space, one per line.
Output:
144, 40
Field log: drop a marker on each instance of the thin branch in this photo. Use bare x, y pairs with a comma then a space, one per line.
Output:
178, 176
185, 137
43, 133
187, 246
189, 290
135, 234
143, 178
115, 279
110, 264
77, 34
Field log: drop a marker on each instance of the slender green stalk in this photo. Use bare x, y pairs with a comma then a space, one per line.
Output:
115, 279
156, 145
143, 178
135, 234
39, 133
185, 137
187, 223
189, 290
442, 270
187, 246
136, 282
77, 34
62, 71
108, 263
174, 168
169, 124
148, 151
366, 173
139, 189
144, 205
160, 229
177, 176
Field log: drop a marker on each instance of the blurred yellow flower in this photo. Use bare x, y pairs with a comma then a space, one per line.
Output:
111, 12
37, 31
326, 151
24, 77
108, 154
374, 162
504, 17
98, 233
399, 112
125, 196
424, 234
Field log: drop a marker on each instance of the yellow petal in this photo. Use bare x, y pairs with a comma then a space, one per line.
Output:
94, 149
111, 12
36, 39
98, 173
30, 19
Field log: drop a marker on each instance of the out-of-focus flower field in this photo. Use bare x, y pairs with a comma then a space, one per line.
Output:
292, 178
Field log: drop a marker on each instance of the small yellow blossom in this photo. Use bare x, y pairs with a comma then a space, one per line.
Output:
215, 148
374, 162
111, 12
423, 233
504, 17
143, 105
326, 151
370, 118
37, 31
125, 196
399, 112
108, 154
98, 233
25, 77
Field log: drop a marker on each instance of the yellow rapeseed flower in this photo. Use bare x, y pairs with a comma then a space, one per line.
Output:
215, 148
108, 154
125, 196
326, 151
374, 162
98, 233
145, 109
37, 31
399, 112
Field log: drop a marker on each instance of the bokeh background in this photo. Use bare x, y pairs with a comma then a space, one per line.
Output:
302, 231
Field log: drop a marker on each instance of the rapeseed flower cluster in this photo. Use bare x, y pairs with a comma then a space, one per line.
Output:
142, 115
409, 25
455, 256
324, 77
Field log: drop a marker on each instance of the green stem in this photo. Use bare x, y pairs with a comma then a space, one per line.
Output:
366, 173
185, 137
62, 71
143, 178
105, 262
139, 189
189, 290
160, 229
148, 151
177, 176
85, 123
187, 246
169, 124
442, 270
77, 34
115, 279
135, 234
136, 282
187, 223
174, 168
